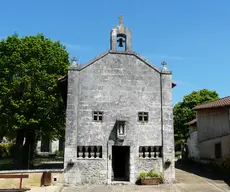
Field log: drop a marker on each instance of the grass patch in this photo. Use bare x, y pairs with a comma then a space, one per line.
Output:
6, 164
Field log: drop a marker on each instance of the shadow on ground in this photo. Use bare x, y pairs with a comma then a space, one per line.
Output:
204, 170
39, 163
50, 166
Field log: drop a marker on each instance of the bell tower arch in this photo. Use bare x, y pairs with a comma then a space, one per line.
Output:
121, 38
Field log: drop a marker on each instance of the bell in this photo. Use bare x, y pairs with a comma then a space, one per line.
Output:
120, 41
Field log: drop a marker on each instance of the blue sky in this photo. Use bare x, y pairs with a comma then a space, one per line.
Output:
193, 37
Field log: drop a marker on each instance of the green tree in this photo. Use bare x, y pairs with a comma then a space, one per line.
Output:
30, 102
183, 112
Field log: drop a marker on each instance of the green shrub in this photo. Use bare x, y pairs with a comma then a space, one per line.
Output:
178, 153
142, 175
6, 150
59, 153
152, 173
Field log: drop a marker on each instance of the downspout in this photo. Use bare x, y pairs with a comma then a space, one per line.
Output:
162, 140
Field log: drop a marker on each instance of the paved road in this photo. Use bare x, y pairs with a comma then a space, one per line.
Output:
187, 181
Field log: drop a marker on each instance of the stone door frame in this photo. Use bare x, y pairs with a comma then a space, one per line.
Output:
131, 162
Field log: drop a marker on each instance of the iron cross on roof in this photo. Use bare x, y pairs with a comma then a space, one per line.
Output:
164, 64
120, 19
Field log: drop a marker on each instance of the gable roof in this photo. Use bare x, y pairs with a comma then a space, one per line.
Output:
224, 102
81, 67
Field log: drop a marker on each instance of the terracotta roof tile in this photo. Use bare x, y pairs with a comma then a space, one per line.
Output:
224, 102
191, 122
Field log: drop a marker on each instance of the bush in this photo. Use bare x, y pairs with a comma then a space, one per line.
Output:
178, 153
142, 175
59, 153
6, 150
152, 173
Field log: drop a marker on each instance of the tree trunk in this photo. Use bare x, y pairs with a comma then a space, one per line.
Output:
18, 149
29, 150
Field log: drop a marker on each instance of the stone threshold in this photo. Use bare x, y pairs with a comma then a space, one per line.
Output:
120, 183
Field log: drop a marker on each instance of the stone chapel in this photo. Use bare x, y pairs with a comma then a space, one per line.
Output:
119, 116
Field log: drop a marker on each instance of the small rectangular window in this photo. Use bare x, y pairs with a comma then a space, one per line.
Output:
98, 116
218, 152
143, 116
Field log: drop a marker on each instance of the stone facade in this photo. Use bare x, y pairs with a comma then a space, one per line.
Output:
134, 100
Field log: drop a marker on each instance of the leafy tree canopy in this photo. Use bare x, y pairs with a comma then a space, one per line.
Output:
29, 95
183, 112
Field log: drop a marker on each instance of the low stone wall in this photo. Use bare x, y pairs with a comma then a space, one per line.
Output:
35, 178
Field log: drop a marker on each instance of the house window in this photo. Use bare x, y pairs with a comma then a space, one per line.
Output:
45, 146
143, 116
97, 116
218, 152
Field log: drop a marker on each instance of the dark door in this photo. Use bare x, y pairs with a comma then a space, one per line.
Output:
120, 163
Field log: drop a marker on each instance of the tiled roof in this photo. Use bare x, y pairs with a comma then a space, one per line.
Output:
224, 102
191, 122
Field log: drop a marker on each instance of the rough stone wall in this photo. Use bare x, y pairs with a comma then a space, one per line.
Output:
70, 176
86, 171
148, 164
167, 126
120, 85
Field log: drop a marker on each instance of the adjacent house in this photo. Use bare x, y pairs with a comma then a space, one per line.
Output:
193, 152
213, 129
119, 116
47, 147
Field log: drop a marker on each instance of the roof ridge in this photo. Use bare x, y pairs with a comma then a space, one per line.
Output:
147, 62
215, 103
223, 98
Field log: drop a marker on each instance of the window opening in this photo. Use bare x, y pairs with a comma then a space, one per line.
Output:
97, 116
143, 116
218, 152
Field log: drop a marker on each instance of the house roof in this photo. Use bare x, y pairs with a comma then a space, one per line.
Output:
81, 67
191, 122
223, 102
